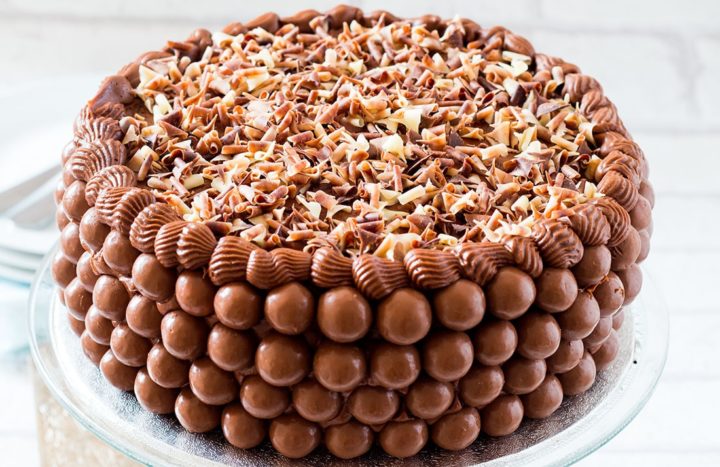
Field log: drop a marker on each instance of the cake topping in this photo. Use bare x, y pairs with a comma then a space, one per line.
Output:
368, 136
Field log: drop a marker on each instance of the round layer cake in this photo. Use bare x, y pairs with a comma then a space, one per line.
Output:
351, 229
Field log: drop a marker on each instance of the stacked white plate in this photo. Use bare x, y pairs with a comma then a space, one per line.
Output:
35, 125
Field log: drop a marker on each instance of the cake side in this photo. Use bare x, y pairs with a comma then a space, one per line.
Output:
193, 257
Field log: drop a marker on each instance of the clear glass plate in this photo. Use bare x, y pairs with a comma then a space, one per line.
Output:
581, 425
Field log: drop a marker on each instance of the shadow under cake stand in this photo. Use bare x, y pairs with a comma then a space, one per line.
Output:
580, 426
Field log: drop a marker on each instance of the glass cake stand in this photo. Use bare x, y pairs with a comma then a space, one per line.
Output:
581, 425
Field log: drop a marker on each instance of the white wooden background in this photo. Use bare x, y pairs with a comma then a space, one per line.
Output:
658, 60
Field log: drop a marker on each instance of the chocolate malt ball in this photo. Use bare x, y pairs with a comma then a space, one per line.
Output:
404, 317
230, 349
74, 202
566, 357
557, 289
339, 367
644, 245
153, 397
502, 416
344, 315
241, 429
118, 253
632, 282
238, 305
70, 242
373, 405
61, 220
165, 369
625, 254
523, 375
428, 398
578, 321
294, 437
641, 214
447, 355
183, 335
143, 317
111, 297
130, 348
63, 270
290, 308
457, 430
195, 293
282, 360
618, 319
93, 350
544, 400
194, 415
460, 306
510, 293
77, 299
152, 279
86, 272
211, 384
263, 400
481, 385
394, 366
606, 353
92, 231
77, 326
116, 373
314, 402
599, 334
594, 265
495, 342
348, 440
609, 294
538, 335
404, 438
580, 378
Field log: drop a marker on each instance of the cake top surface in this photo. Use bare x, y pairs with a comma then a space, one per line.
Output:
374, 134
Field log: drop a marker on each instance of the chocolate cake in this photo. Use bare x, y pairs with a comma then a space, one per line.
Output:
351, 229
